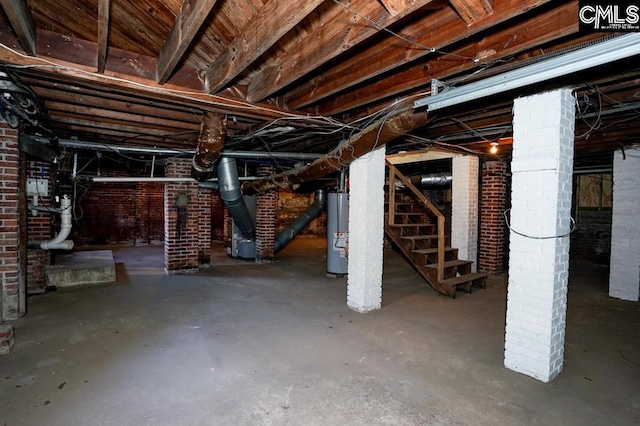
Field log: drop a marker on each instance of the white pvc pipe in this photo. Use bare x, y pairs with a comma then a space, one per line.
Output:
60, 242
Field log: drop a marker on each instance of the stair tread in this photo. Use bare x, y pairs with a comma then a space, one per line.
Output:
431, 250
411, 225
450, 263
463, 279
419, 237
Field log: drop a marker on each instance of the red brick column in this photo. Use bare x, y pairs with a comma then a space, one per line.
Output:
266, 220
38, 229
204, 225
493, 232
180, 224
11, 305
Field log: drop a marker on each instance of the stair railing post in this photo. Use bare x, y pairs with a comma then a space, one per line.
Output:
441, 244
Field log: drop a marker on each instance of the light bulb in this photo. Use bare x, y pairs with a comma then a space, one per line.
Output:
494, 148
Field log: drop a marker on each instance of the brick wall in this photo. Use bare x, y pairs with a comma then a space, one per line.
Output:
464, 209
9, 220
39, 229
217, 217
542, 169
149, 213
204, 207
366, 231
120, 213
493, 229
180, 225
624, 273
289, 206
7, 338
266, 205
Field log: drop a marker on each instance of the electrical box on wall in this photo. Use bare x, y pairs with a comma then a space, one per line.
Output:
38, 187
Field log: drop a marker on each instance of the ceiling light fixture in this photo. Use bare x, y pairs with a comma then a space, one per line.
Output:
494, 147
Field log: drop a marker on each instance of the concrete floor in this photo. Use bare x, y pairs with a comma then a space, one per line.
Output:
275, 344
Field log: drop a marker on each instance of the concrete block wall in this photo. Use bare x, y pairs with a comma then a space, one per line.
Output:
464, 209
624, 275
38, 229
266, 205
493, 203
12, 302
366, 231
542, 168
180, 230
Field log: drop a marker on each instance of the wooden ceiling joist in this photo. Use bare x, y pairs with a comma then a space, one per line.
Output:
395, 7
103, 33
472, 11
343, 32
386, 55
134, 85
275, 19
22, 23
192, 15
540, 29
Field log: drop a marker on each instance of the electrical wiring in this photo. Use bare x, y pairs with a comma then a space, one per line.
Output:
403, 38
572, 228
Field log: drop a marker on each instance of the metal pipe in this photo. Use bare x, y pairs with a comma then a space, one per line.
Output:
134, 179
252, 155
229, 186
59, 242
441, 179
295, 227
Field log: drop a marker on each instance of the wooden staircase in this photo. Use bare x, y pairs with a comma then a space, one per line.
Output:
416, 227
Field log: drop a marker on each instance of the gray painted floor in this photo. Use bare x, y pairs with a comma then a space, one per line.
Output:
275, 344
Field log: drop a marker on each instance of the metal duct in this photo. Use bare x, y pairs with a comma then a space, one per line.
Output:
295, 227
229, 186
440, 179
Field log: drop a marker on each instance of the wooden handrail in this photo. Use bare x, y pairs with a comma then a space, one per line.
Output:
395, 173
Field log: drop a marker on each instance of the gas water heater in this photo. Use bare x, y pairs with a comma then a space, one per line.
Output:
337, 232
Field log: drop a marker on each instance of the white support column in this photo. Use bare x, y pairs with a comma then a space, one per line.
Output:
624, 272
542, 168
464, 208
366, 231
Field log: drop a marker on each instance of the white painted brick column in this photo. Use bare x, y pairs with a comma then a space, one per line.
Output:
366, 231
542, 168
464, 207
624, 272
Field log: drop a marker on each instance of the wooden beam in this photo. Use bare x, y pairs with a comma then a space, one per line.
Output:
22, 23
192, 15
395, 7
103, 33
76, 74
101, 114
420, 156
273, 21
541, 29
472, 11
343, 32
385, 55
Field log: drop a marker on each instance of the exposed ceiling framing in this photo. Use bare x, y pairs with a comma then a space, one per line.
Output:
297, 75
